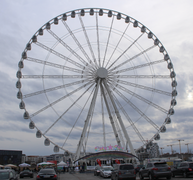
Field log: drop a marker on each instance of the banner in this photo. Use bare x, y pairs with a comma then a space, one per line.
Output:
99, 162
117, 161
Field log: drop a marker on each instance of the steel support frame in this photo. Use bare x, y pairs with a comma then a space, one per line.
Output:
91, 109
119, 118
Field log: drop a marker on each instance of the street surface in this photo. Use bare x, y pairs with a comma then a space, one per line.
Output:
90, 176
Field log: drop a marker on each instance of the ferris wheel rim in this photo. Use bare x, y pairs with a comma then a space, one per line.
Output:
160, 45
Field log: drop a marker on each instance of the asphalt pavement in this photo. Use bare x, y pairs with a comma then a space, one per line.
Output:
90, 176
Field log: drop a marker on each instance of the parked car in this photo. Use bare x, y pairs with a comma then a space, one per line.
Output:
184, 168
26, 173
138, 167
106, 171
123, 171
47, 174
97, 170
8, 174
155, 170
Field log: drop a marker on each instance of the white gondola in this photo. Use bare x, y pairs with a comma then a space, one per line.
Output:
100, 12
73, 14
64, 17
166, 57
163, 129
156, 42
110, 14
24, 55
170, 65
19, 95
28, 46
135, 24
168, 120
150, 35
174, 83
162, 49
91, 12
142, 149
171, 111
173, 102
41, 32
82, 12
127, 19
19, 74
56, 149
34, 38
46, 142
31, 125
66, 153
22, 105
143, 29
157, 137
18, 84
20, 64
26, 115
55, 20
174, 93
119, 16
172, 74
48, 25
38, 134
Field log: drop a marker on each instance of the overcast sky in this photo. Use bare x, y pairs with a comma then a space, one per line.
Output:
170, 21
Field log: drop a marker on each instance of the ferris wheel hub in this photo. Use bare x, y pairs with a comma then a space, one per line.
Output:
102, 72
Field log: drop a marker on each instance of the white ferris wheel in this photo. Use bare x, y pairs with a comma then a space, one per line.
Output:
93, 77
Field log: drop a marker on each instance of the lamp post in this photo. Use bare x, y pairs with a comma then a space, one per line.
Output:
171, 147
187, 147
180, 144
161, 150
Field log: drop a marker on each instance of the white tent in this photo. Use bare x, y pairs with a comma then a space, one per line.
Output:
44, 163
62, 163
24, 165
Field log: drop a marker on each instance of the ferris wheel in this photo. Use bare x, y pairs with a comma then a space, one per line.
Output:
96, 77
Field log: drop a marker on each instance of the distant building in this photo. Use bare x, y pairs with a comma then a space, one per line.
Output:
56, 157
10, 157
154, 151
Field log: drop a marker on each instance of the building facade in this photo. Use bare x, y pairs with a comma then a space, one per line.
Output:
10, 157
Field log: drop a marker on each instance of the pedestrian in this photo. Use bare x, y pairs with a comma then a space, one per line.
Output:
64, 169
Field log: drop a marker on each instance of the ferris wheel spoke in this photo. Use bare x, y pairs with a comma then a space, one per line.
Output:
54, 88
129, 120
88, 42
126, 50
143, 76
68, 108
68, 47
119, 117
98, 46
136, 109
54, 65
108, 41
140, 66
91, 109
144, 87
60, 55
117, 44
142, 98
77, 42
77, 118
58, 100
134, 57
53, 76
